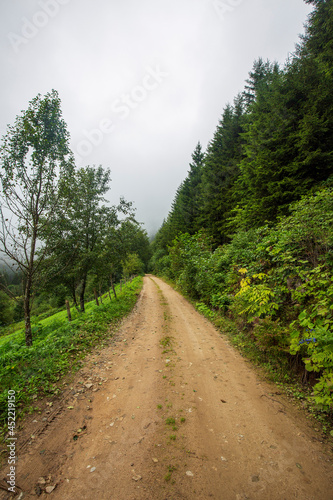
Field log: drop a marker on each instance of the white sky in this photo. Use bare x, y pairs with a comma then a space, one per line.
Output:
141, 81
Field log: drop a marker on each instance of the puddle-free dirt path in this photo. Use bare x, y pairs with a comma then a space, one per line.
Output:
171, 411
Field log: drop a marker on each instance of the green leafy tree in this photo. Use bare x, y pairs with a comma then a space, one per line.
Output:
80, 228
132, 265
134, 239
6, 314
88, 220
86, 238
34, 157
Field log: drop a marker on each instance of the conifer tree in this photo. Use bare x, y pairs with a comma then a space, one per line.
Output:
221, 171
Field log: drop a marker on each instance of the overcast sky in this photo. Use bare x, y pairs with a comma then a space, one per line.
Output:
141, 81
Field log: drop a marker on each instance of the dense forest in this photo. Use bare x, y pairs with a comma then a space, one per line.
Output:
59, 237
249, 235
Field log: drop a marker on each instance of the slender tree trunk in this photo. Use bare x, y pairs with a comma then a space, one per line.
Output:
109, 294
83, 289
96, 296
112, 286
27, 294
27, 322
68, 311
74, 296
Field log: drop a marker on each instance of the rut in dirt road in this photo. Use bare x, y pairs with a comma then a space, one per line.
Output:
179, 415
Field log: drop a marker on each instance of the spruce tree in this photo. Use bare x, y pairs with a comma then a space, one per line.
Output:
221, 171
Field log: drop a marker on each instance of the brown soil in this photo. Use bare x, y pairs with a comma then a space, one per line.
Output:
149, 419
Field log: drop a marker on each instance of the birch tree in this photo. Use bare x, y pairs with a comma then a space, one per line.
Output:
34, 158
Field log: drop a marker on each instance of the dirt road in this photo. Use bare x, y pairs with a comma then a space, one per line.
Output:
169, 410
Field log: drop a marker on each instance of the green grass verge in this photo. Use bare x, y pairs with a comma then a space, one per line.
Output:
57, 349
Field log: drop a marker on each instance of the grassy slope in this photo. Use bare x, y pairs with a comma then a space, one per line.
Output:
57, 348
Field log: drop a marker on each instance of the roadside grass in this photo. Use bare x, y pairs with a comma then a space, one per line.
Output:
15, 330
58, 347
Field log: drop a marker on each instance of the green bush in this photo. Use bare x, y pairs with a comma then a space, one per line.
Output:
6, 313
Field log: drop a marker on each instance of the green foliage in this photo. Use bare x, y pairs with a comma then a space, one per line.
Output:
6, 314
35, 158
271, 337
135, 241
133, 265
220, 172
323, 392
204, 310
186, 207
91, 240
311, 333
160, 263
79, 233
191, 263
184, 214
258, 296
55, 226
18, 310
